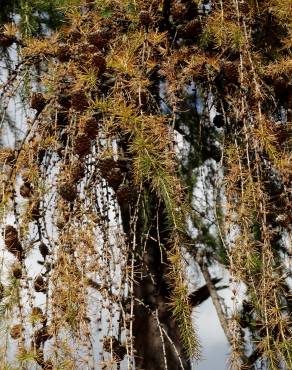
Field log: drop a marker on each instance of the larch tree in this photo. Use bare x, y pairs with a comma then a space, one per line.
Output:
157, 137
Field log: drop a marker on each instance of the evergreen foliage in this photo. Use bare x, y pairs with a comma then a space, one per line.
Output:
97, 189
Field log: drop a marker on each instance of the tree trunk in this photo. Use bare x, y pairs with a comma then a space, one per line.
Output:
157, 339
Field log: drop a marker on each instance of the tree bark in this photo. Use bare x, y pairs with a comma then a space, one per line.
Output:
156, 333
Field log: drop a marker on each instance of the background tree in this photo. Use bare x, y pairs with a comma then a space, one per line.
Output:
96, 187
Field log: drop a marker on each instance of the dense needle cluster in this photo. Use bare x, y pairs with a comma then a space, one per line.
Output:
95, 187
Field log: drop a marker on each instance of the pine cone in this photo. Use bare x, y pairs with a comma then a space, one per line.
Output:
82, 145
7, 156
113, 344
38, 102
110, 171
63, 53
37, 312
145, 18
60, 222
16, 331
91, 127
105, 165
75, 35
68, 191
64, 100
114, 178
244, 7
98, 39
41, 336
123, 194
77, 171
6, 41
178, 11
230, 72
12, 242
44, 250
26, 190
61, 118
98, 62
79, 101
16, 271
40, 285
192, 29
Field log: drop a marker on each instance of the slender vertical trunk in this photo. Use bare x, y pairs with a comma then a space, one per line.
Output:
157, 339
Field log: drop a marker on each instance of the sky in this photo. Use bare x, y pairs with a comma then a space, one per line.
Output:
215, 348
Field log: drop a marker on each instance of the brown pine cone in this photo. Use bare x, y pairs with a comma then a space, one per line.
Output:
192, 29
7, 156
111, 172
178, 11
98, 39
26, 190
44, 250
37, 315
91, 127
105, 165
16, 271
145, 18
230, 72
37, 311
16, 331
77, 171
82, 145
114, 178
40, 285
63, 53
123, 194
60, 222
38, 102
12, 242
68, 191
64, 100
6, 41
98, 62
112, 344
79, 100
42, 335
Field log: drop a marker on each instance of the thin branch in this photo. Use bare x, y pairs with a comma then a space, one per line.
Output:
215, 297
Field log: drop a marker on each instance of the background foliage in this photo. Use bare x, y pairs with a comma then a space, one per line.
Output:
98, 190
